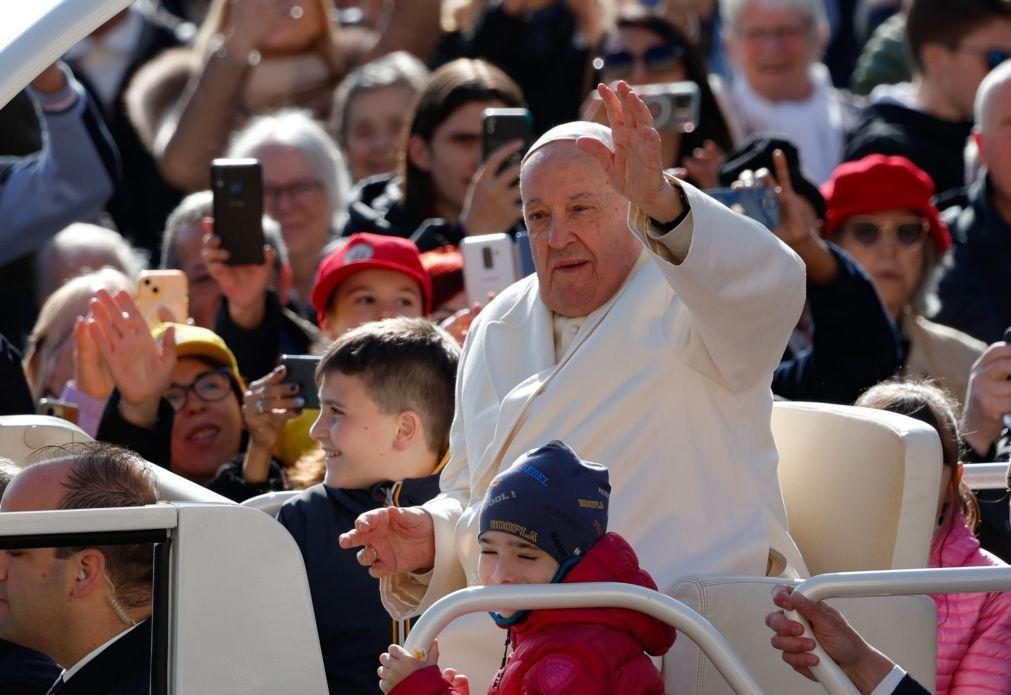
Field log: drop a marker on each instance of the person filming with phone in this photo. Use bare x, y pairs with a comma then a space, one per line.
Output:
653, 322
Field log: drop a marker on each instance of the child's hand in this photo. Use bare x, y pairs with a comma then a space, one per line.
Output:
457, 681
398, 664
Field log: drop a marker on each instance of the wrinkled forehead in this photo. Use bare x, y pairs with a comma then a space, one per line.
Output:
561, 166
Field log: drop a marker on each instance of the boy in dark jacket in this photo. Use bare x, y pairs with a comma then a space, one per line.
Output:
386, 402
544, 520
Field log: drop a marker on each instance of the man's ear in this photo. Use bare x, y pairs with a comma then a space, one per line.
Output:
284, 283
409, 430
89, 573
933, 57
977, 137
418, 153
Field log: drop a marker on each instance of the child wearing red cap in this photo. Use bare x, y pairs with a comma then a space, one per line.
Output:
370, 277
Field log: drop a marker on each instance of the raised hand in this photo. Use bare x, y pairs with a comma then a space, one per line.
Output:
251, 22
492, 204
90, 371
245, 286
396, 540
267, 405
704, 163
988, 397
140, 367
635, 165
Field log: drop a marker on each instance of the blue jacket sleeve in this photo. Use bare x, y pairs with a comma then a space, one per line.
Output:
855, 345
70, 179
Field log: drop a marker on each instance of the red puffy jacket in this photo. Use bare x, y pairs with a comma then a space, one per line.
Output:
579, 650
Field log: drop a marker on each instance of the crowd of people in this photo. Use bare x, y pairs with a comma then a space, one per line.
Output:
448, 442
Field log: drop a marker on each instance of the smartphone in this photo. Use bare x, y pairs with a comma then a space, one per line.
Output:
237, 186
674, 105
524, 256
500, 126
489, 266
301, 370
163, 288
760, 204
57, 408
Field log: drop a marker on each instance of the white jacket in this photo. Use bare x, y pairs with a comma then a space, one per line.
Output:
668, 385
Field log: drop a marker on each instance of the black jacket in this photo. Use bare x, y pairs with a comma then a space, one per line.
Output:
17, 399
974, 288
257, 350
934, 145
122, 668
354, 628
155, 445
855, 345
377, 206
25, 672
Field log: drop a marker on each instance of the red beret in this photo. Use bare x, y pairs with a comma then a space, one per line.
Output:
877, 183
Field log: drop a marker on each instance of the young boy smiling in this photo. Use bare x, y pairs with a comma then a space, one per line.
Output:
386, 402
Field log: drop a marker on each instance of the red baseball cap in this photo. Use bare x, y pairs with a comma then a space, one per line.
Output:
877, 183
364, 251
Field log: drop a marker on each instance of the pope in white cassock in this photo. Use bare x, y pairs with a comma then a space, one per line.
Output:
646, 341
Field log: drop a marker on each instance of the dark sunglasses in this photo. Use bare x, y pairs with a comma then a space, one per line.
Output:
868, 233
210, 386
621, 64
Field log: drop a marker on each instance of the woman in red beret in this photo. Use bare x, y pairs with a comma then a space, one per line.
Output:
879, 210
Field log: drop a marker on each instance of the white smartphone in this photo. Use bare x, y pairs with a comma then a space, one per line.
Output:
163, 288
489, 265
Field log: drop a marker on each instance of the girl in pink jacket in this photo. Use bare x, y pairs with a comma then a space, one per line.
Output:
973, 630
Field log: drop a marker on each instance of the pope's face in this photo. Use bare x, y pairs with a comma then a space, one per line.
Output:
578, 225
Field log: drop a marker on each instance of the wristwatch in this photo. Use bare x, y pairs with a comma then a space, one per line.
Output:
664, 227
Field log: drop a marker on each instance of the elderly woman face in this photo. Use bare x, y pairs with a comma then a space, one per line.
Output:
891, 247
294, 196
773, 48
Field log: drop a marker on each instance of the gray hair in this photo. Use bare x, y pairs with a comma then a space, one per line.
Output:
996, 79
399, 69
194, 208
128, 258
8, 469
189, 212
297, 129
812, 10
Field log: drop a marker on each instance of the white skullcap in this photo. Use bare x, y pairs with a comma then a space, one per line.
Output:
572, 130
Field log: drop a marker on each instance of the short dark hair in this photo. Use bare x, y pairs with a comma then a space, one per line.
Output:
104, 475
947, 22
405, 364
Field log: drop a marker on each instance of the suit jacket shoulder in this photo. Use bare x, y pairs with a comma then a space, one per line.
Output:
123, 668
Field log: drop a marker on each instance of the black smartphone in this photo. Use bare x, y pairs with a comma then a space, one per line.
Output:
237, 185
505, 125
301, 370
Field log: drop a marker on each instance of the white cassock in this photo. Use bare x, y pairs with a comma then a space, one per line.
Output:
667, 384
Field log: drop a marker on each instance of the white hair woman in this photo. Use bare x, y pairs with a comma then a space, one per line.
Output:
305, 185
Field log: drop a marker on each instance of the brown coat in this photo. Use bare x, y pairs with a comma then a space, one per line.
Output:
941, 353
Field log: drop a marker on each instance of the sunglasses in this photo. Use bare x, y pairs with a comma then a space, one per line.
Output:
868, 232
210, 386
619, 65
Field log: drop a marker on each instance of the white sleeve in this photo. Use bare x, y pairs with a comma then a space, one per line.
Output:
890, 682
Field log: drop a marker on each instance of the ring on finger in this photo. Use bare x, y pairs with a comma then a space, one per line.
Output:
259, 406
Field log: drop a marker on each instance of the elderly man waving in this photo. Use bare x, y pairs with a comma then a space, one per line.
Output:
650, 352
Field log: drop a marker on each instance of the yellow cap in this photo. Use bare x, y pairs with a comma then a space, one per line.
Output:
196, 341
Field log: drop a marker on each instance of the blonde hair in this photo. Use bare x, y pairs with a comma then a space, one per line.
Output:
327, 44
308, 470
55, 324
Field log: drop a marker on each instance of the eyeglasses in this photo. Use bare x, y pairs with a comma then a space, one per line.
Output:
299, 190
620, 65
994, 56
782, 33
907, 233
210, 386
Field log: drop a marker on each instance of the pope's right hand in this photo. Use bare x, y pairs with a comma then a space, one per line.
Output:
395, 540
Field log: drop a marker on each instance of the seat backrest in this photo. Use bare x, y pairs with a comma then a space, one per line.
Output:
22, 436
271, 502
860, 486
903, 627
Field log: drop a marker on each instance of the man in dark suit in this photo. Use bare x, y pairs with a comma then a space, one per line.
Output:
88, 608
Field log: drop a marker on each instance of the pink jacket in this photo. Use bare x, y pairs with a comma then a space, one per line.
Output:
973, 630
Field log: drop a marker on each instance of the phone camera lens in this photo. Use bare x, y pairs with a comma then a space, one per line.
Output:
236, 188
486, 257
154, 290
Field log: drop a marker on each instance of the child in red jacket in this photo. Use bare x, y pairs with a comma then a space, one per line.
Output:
544, 520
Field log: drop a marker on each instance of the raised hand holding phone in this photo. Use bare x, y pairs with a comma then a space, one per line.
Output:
245, 286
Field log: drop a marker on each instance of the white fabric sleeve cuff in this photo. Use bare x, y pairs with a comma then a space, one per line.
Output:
890, 682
